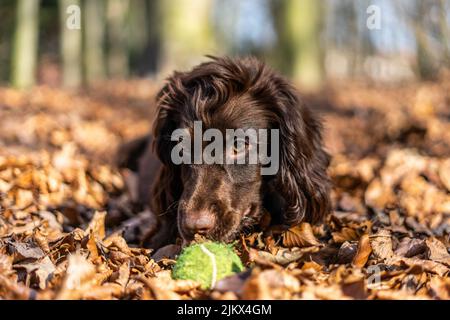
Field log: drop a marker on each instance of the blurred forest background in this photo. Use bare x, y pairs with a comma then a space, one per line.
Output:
309, 41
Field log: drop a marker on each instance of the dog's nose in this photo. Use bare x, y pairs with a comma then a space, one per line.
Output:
200, 223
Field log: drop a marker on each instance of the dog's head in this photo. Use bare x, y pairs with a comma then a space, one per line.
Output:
219, 199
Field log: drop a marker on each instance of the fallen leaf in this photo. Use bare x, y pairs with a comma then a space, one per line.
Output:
381, 244
363, 252
437, 251
300, 236
283, 256
97, 225
444, 173
269, 284
79, 278
347, 252
169, 252
428, 265
410, 247
42, 270
23, 250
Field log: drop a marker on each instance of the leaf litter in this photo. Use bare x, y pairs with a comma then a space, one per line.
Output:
70, 227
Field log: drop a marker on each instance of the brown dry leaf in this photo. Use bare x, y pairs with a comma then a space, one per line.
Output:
79, 278
283, 256
270, 245
363, 252
6, 263
41, 240
22, 250
381, 244
104, 292
10, 289
440, 287
233, 283
122, 275
52, 221
323, 292
97, 225
42, 270
347, 252
27, 228
270, 284
23, 198
312, 265
397, 295
158, 292
115, 240
355, 287
378, 195
345, 234
92, 246
163, 280
167, 252
164, 287
300, 236
444, 173
437, 251
118, 257
411, 247
427, 265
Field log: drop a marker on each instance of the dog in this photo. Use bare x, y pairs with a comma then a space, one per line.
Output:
219, 201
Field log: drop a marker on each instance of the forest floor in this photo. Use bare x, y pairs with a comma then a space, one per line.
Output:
63, 204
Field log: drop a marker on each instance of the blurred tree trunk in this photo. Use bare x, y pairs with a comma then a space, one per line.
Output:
117, 11
94, 31
425, 66
299, 53
137, 28
25, 48
70, 46
7, 19
355, 39
187, 32
151, 55
445, 32
144, 30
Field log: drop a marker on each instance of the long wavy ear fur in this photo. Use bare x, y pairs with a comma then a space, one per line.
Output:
167, 188
302, 177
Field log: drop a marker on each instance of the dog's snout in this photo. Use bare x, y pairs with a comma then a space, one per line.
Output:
201, 222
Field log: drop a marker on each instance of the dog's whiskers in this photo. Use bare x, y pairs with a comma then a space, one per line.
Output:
170, 207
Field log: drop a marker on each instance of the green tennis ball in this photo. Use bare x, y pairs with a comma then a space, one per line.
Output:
207, 263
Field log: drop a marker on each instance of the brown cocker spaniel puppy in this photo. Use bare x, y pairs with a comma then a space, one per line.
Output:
220, 200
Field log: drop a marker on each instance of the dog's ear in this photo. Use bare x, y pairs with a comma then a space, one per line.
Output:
302, 177
168, 186
167, 111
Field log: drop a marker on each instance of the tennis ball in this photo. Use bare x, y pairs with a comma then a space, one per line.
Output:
207, 263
